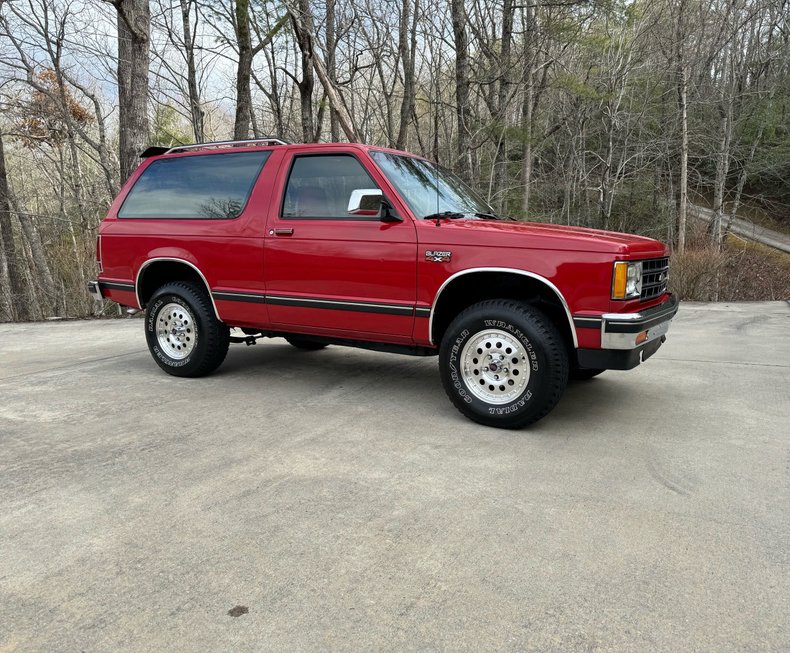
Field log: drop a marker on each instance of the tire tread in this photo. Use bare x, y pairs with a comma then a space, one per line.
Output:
216, 334
554, 350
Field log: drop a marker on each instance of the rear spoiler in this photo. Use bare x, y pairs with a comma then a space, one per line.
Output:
154, 150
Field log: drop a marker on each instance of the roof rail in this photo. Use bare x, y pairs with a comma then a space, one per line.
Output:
266, 140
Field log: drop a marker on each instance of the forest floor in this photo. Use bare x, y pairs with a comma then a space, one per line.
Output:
335, 500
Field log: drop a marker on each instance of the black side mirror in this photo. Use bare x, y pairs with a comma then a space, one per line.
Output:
388, 213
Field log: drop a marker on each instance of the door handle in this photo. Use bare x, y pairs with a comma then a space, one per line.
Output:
281, 232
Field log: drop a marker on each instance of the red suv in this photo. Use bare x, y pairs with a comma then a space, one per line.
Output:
348, 244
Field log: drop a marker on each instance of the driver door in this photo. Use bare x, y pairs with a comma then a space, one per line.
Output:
328, 271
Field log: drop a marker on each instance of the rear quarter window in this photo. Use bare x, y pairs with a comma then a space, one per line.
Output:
211, 186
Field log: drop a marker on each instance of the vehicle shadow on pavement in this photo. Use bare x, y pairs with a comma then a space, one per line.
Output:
366, 375
381, 377
346, 375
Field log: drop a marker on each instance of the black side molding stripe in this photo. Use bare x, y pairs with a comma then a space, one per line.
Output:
587, 322
250, 298
117, 285
334, 305
330, 304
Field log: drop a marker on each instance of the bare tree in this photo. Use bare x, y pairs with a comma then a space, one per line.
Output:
464, 161
303, 23
407, 47
133, 24
17, 306
189, 36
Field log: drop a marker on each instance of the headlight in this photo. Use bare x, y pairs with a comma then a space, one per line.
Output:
627, 280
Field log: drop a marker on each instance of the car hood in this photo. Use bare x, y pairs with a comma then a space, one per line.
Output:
536, 235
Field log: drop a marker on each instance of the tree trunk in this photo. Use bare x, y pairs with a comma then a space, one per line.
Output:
241, 127
684, 133
302, 20
407, 47
464, 160
500, 155
194, 96
331, 67
346, 122
134, 22
722, 168
736, 203
526, 111
303, 29
43, 274
6, 310
605, 189
18, 296
684, 162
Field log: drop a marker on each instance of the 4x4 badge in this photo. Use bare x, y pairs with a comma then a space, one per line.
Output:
437, 256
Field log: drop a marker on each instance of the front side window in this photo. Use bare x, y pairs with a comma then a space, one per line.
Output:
427, 188
214, 186
319, 187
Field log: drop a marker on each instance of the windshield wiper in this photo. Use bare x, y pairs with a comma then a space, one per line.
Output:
445, 215
494, 216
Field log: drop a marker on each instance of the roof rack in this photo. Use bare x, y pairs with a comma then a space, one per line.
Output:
157, 150
266, 140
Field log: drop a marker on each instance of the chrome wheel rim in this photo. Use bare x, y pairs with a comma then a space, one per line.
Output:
175, 331
495, 366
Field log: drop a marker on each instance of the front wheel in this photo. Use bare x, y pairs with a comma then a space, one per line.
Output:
183, 333
503, 363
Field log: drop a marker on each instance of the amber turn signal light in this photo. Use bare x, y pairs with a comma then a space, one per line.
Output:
620, 278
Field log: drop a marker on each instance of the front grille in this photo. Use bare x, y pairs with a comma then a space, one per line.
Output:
655, 272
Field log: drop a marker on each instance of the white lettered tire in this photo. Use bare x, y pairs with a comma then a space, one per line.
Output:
184, 336
503, 363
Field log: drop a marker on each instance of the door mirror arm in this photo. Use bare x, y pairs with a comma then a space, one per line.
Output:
388, 212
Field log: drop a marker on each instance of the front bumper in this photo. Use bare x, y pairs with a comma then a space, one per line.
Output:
628, 339
620, 330
94, 290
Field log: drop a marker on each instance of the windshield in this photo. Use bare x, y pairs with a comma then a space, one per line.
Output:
428, 189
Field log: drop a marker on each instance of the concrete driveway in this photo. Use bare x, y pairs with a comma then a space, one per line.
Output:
340, 500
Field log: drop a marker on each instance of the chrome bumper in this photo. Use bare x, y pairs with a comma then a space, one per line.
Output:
620, 330
95, 290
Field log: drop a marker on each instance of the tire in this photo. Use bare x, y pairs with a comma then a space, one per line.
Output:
524, 384
583, 373
304, 343
183, 334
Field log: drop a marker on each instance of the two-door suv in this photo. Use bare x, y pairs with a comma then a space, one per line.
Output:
363, 246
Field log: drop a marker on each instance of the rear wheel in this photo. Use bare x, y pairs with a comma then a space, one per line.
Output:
183, 333
304, 343
503, 363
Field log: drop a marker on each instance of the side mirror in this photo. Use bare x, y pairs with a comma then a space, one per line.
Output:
365, 201
388, 213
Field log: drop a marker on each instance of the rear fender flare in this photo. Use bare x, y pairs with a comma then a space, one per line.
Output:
171, 259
